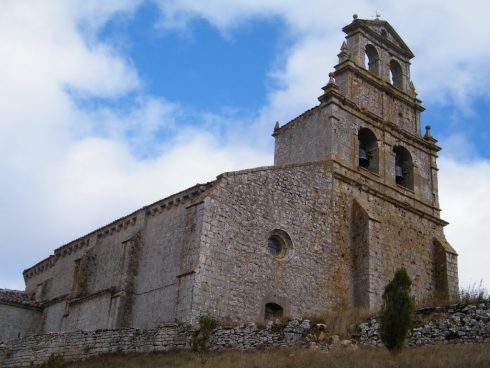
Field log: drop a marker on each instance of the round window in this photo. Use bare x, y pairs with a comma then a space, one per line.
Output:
279, 244
276, 246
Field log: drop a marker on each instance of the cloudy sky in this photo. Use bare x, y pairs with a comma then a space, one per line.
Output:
106, 106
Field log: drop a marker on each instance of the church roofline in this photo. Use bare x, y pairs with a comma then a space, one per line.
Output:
18, 298
272, 168
294, 120
336, 165
129, 219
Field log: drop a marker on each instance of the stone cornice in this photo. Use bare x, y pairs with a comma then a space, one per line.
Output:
110, 291
350, 106
115, 227
408, 195
177, 199
380, 84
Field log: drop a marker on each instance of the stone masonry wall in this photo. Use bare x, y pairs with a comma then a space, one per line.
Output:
79, 345
454, 324
126, 274
396, 237
73, 346
237, 275
17, 321
305, 139
313, 203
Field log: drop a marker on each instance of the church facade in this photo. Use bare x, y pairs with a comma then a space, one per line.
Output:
351, 197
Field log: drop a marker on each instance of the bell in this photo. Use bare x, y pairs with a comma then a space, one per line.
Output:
363, 159
398, 173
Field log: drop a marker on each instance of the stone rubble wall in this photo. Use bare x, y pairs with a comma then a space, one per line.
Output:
443, 325
454, 324
73, 346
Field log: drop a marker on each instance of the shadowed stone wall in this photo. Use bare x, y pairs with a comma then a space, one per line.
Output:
18, 321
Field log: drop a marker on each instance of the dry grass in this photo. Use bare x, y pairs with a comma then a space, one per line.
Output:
343, 321
445, 356
474, 294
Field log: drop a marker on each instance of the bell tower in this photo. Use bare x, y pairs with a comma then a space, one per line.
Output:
367, 130
376, 53
371, 94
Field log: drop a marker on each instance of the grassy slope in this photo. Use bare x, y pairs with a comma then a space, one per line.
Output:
445, 356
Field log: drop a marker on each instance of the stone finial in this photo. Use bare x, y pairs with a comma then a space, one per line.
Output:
427, 132
411, 89
344, 53
354, 16
428, 136
277, 126
331, 86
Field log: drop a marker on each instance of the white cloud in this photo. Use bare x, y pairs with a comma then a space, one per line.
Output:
100, 179
466, 205
68, 168
448, 38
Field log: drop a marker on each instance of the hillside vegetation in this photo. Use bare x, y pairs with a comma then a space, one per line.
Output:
443, 356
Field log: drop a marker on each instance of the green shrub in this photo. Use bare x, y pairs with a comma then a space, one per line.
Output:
201, 338
54, 361
397, 312
279, 325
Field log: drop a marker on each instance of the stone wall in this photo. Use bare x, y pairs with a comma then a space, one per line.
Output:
73, 346
454, 324
377, 233
307, 138
17, 321
315, 204
127, 274
237, 275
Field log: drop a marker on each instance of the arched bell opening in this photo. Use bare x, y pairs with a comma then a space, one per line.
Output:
372, 59
368, 150
403, 167
396, 74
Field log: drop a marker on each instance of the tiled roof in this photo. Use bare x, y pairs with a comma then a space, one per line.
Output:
17, 297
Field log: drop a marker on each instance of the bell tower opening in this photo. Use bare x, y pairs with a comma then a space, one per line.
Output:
396, 74
403, 167
372, 59
368, 150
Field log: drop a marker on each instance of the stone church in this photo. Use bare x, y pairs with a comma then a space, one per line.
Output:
351, 197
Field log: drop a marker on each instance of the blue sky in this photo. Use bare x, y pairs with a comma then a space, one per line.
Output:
108, 106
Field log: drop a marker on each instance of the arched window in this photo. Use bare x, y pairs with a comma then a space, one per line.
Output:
368, 150
396, 74
372, 59
273, 310
403, 167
